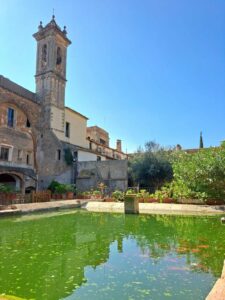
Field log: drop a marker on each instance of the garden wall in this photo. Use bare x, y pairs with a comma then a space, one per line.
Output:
113, 173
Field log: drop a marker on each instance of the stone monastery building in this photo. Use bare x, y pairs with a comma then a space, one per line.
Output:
41, 138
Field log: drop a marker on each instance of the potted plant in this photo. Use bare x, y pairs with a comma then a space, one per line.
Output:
70, 189
96, 194
118, 196
61, 191
52, 187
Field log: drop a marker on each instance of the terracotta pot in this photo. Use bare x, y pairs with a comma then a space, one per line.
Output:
83, 197
109, 200
97, 196
141, 200
69, 195
63, 196
168, 200
215, 202
152, 200
79, 197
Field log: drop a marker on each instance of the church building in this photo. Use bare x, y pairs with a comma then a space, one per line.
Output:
40, 138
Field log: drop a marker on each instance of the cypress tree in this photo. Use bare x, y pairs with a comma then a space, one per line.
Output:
201, 145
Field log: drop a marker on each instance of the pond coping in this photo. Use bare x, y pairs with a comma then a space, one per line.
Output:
157, 208
27, 208
115, 207
218, 290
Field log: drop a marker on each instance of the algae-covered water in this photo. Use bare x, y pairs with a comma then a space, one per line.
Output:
82, 255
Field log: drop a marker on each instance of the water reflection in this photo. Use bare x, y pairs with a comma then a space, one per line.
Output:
50, 258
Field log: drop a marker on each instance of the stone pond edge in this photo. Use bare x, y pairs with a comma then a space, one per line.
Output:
115, 207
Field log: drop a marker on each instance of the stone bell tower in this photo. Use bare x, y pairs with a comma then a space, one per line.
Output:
52, 43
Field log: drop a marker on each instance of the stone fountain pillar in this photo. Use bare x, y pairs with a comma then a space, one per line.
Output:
131, 204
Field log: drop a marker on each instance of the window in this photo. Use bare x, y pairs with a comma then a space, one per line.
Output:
58, 56
20, 155
90, 145
99, 149
59, 154
75, 155
67, 133
103, 142
10, 117
99, 158
44, 53
28, 159
28, 124
4, 153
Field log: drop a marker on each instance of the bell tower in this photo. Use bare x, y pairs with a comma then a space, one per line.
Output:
52, 43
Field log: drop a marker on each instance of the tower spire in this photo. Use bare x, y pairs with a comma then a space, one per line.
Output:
52, 44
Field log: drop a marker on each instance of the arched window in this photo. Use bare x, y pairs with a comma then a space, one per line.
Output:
58, 56
44, 53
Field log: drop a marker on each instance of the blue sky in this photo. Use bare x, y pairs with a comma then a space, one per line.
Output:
141, 69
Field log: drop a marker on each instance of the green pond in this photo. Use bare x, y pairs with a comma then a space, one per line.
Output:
82, 255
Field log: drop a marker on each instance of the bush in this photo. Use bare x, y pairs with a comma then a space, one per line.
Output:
118, 195
70, 188
5, 188
53, 186
60, 189
200, 175
96, 193
130, 192
143, 194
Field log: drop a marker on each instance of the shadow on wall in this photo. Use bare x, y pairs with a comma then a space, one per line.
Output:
113, 173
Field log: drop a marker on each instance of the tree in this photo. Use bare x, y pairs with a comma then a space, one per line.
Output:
201, 145
201, 172
150, 168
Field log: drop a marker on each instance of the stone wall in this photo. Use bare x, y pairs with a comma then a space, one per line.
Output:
113, 173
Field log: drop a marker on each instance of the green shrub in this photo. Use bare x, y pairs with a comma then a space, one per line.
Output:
60, 189
118, 195
70, 188
87, 193
5, 188
130, 192
53, 185
96, 193
201, 174
143, 194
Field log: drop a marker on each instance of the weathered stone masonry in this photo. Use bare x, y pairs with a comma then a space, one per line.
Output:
33, 135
